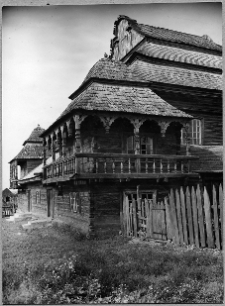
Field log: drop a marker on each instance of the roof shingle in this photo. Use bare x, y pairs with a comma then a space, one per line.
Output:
30, 151
170, 35
118, 98
180, 55
175, 75
35, 136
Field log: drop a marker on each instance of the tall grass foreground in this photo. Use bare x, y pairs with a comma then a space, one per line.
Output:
60, 266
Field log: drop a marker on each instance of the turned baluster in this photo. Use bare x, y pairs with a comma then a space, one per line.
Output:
161, 166
105, 166
182, 167
153, 166
129, 166
96, 166
175, 166
121, 167
113, 166
146, 166
168, 166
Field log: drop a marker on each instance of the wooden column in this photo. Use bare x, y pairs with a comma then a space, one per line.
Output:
44, 152
59, 140
63, 141
187, 137
52, 147
77, 120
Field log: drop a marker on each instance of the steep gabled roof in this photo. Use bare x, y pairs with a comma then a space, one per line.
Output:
175, 75
210, 158
179, 55
170, 35
35, 136
121, 98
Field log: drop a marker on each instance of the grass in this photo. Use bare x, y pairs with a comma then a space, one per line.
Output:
60, 266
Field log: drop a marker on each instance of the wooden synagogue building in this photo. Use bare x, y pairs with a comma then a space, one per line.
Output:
146, 118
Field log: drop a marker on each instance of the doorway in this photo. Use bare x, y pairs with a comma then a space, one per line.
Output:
143, 216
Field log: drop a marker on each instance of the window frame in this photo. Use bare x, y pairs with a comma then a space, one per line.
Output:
196, 123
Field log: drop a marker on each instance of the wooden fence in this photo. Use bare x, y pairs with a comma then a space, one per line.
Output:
7, 210
189, 216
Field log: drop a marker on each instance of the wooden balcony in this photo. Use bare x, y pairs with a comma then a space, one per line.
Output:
113, 165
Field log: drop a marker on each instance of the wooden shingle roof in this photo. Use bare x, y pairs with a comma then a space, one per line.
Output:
175, 75
180, 55
170, 35
30, 151
35, 136
108, 69
121, 98
210, 158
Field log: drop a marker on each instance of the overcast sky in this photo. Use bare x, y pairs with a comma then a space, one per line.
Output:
47, 52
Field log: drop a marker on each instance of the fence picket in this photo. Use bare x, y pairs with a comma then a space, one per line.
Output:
125, 214
179, 217
168, 219
189, 216
221, 209
208, 220
200, 217
134, 217
148, 205
173, 217
195, 216
215, 217
184, 216
128, 216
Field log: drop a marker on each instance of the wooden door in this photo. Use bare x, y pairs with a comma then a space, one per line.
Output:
50, 203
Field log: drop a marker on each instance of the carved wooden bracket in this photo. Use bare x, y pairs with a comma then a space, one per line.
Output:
107, 121
78, 119
163, 125
137, 123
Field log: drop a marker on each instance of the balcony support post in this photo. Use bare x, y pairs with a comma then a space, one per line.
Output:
187, 130
137, 148
52, 147
77, 119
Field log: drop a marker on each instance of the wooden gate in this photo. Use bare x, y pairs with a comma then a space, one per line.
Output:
144, 218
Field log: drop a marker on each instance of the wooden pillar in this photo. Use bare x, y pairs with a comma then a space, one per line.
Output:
52, 148
59, 139
77, 121
44, 152
136, 141
187, 137
77, 135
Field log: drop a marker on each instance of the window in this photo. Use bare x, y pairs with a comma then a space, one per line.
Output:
146, 145
195, 133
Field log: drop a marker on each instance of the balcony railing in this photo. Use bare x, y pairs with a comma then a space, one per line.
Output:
118, 165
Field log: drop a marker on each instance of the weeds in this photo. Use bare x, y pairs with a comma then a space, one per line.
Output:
55, 266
